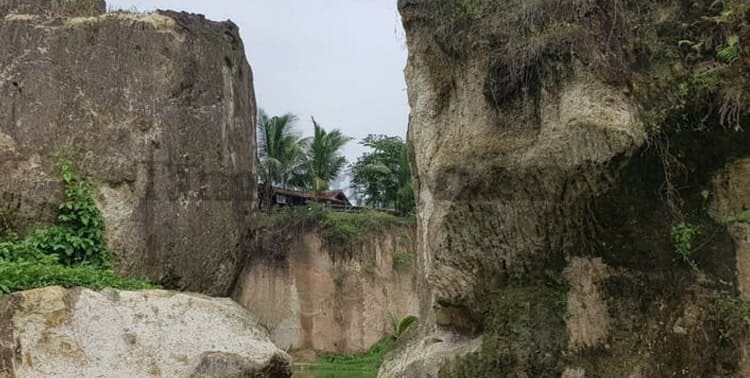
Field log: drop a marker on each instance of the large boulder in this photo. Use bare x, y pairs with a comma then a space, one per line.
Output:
157, 109
57, 332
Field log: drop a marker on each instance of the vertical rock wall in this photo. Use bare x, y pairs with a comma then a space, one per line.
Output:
157, 109
548, 196
310, 299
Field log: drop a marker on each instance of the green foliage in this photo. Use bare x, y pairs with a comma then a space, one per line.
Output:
281, 152
340, 230
71, 253
705, 84
291, 162
324, 160
398, 328
78, 237
383, 176
741, 217
731, 317
345, 228
363, 365
402, 259
684, 236
730, 52
23, 275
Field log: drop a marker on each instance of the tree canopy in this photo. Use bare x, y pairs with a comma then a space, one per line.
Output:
324, 159
382, 176
289, 161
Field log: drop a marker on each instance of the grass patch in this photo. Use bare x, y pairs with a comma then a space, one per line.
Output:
24, 275
402, 260
79, 8
340, 231
71, 253
363, 365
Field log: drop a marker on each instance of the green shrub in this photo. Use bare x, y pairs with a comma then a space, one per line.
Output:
71, 253
344, 228
339, 229
402, 259
683, 236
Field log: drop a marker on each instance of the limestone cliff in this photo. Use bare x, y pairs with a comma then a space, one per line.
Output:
340, 300
157, 109
564, 154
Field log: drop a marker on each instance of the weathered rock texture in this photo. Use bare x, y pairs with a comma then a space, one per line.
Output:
54, 332
309, 298
78, 8
550, 170
731, 206
158, 110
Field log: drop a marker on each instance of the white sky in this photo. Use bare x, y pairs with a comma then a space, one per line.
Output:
339, 60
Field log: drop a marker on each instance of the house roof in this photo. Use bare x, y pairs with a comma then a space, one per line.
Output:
337, 196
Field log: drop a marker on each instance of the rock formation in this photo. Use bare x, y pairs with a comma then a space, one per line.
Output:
54, 332
563, 150
157, 109
311, 297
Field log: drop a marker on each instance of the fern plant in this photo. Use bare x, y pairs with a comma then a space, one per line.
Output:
683, 236
730, 52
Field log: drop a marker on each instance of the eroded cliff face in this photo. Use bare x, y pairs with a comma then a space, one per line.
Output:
557, 147
157, 109
313, 298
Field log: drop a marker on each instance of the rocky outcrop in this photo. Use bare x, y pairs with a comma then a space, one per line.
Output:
731, 206
313, 298
157, 109
81, 333
552, 172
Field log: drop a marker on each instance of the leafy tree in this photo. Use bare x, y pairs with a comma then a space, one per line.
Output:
324, 160
383, 177
281, 152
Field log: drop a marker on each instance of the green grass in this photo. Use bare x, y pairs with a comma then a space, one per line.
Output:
23, 275
364, 365
402, 259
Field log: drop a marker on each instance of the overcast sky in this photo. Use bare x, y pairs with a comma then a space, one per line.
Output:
339, 60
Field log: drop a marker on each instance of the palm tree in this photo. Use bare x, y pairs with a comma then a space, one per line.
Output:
324, 157
280, 151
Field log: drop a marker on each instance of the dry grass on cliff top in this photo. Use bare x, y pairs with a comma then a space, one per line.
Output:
340, 231
665, 51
